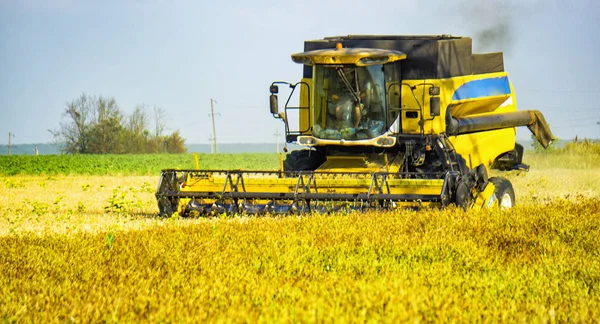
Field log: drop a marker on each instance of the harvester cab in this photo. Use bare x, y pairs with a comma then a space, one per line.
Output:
386, 122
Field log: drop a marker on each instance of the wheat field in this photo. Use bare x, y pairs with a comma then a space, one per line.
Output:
90, 249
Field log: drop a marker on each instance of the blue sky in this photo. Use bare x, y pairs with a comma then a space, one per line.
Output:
177, 55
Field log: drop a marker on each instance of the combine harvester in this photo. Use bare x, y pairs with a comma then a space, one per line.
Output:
387, 122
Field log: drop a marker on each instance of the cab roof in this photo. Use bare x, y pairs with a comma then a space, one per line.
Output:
354, 56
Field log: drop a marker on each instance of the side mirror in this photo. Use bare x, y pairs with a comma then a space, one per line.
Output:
434, 106
274, 89
274, 104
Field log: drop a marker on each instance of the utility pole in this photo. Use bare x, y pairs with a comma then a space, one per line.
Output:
212, 114
277, 134
9, 137
210, 141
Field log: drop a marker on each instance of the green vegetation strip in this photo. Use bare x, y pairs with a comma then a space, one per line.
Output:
531, 264
130, 164
575, 155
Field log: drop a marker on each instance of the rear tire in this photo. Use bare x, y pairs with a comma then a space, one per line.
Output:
505, 194
303, 160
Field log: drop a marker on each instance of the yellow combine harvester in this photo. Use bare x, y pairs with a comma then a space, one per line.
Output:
387, 122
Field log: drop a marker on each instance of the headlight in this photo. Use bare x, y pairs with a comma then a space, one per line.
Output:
385, 141
306, 140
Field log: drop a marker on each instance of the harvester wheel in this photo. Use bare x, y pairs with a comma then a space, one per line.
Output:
303, 160
462, 164
463, 195
504, 192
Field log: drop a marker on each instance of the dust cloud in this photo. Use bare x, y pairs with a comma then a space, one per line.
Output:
493, 25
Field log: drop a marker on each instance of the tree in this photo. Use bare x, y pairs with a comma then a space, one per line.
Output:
74, 131
175, 143
108, 136
159, 121
96, 125
138, 121
107, 132
137, 124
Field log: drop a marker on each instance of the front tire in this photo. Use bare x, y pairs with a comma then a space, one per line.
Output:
303, 160
505, 194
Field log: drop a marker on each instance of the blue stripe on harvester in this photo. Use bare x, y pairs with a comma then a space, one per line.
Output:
482, 88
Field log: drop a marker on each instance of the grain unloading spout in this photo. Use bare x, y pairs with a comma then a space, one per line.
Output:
533, 119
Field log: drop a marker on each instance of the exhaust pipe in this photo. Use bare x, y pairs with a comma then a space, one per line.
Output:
533, 119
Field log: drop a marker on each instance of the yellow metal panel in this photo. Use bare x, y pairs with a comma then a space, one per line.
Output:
416, 98
482, 200
196, 161
355, 163
484, 147
476, 148
347, 184
304, 114
475, 106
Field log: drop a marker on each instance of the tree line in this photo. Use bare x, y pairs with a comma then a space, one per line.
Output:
96, 125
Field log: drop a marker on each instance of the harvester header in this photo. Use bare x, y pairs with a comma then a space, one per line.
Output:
386, 122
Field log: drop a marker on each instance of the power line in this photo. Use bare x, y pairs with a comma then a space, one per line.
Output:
580, 119
560, 91
572, 125
570, 109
